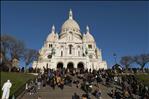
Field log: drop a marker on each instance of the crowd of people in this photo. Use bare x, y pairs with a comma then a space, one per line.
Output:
121, 86
131, 88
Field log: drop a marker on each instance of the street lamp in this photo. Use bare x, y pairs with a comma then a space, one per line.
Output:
38, 55
115, 57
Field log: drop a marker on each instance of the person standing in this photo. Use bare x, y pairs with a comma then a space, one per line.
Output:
75, 96
39, 97
6, 89
39, 79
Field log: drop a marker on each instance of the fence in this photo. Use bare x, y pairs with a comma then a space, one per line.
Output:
20, 92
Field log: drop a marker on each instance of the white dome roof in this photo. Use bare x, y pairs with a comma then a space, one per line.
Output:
84, 38
88, 36
52, 36
70, 24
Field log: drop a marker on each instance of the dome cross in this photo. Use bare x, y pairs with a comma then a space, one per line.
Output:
87, 29
53, 29
70, 14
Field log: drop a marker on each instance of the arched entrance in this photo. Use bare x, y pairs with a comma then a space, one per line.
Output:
80, 67
60, 65
70, 66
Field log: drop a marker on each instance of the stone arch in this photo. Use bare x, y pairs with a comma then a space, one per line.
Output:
70, 48
70, 65
60, 65
80, 65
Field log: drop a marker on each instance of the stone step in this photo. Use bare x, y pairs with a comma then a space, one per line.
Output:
49, 93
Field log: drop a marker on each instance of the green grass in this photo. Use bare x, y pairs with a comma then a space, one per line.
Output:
144, 78
17, 80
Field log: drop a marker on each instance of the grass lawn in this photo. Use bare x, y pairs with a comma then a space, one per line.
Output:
144, 78
17, 80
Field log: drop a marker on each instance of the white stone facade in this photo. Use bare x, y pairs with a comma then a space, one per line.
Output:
70, 49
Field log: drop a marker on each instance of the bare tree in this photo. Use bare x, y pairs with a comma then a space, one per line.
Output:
10, 45
17, 48
142, 60
6, 42
126, 61
11, 48
30, 55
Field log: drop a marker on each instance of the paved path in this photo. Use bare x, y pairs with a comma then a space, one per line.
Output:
48, 93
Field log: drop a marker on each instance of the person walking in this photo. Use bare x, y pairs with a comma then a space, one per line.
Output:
6, 89
75, 96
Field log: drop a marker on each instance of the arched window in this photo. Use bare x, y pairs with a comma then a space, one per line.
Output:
70, 49
62, 46
47, 65
61, 53
70, 32
96, 53
60, 65
90, 46
50, 45
78, 53
49, 56
90, 56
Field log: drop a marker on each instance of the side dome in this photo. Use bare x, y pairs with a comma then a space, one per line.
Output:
89, 37
84, 38
52, 36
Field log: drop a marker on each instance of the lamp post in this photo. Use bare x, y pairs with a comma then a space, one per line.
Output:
37, 61
115, 58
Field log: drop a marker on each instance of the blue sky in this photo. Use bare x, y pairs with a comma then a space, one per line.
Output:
120, 27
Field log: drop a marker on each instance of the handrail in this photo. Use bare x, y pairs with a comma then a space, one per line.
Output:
20, 90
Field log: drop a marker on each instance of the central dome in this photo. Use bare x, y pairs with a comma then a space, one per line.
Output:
70, 23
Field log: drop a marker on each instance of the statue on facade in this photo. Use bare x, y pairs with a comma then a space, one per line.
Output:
85, 52
53, 51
